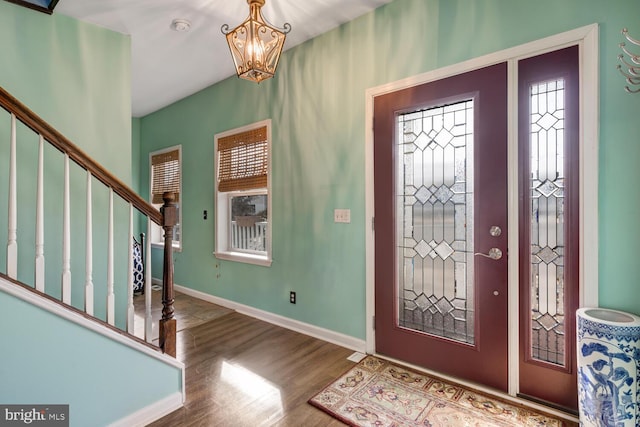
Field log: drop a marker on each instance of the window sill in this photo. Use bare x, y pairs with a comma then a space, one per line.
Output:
243, 257
176, 248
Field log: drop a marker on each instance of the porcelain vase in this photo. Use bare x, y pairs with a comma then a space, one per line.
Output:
608, 368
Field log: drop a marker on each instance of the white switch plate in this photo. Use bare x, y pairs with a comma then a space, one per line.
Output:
342, 215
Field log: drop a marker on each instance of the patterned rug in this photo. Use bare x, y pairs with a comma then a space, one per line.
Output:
377, 393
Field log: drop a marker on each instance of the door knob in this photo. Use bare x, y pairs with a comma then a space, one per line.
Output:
494, 253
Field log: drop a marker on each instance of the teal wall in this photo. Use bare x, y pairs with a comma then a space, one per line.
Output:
101, 380
317, 104
76, 76
135, 153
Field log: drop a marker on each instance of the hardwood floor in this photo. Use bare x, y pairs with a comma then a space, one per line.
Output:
244, 372
189, 312
241, 371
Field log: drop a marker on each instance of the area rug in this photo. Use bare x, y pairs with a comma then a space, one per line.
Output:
377, 393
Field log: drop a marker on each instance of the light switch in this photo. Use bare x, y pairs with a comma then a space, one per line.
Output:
342, 215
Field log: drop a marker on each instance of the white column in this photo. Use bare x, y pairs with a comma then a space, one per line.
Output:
66, 237
130, 308
88, 281
12, 236
148, 321
39, 268
110, 295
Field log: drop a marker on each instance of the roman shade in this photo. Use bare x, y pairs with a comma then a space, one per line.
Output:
165, 173
243, 160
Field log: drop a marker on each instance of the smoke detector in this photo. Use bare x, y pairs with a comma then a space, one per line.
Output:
180, 25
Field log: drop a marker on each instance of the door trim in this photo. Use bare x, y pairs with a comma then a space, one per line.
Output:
587, 38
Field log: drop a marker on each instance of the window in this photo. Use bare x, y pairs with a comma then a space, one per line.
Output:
242, 194
166, 175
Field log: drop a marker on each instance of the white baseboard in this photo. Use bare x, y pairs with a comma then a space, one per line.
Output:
151, 413
275, 319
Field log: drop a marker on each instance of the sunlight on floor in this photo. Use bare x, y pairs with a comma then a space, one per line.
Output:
254, 387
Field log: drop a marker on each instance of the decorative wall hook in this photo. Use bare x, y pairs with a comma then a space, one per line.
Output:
630, 68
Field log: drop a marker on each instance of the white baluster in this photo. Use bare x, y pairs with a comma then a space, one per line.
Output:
88, 282
130, 308
110, 295
148, 321
12, 236
39, 268
66, 237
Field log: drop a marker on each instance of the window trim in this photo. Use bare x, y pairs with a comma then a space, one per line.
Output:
156, 229
222, 206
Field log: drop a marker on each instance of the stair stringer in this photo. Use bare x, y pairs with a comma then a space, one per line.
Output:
53, 355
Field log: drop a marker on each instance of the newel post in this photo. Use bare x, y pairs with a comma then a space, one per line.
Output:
168, 323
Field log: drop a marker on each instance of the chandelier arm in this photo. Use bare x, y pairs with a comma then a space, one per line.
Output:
225, 29
631, 90
625, 32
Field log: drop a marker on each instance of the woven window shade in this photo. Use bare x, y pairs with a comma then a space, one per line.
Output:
165, 170
243, 160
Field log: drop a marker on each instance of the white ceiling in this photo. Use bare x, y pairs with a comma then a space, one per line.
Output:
169, 65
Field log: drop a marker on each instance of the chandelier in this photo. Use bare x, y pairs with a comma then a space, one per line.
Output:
255, 45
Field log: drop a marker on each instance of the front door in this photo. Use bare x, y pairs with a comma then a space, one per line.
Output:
440, 162
441, 209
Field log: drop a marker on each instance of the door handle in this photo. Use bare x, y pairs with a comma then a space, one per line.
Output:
494, 253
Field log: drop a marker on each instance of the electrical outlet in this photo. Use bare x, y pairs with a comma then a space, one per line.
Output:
292, 297
342, 215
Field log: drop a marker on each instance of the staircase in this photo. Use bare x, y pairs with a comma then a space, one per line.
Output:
57, 192
27, 128
30, 127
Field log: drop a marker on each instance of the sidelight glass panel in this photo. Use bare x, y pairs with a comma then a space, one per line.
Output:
547, 221
435, 233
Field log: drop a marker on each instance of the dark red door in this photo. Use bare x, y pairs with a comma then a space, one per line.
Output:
440, 165
548, 128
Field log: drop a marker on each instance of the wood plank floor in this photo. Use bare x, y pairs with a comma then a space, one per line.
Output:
241, 371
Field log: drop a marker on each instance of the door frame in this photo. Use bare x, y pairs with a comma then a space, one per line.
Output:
587, 39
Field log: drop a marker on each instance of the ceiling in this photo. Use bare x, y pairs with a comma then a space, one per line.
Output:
167, 65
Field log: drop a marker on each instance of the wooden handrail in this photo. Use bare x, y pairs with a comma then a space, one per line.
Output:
55, 138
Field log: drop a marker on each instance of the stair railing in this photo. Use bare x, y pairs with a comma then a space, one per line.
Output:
166, 218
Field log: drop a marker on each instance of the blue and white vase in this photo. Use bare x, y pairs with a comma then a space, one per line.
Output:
608, 368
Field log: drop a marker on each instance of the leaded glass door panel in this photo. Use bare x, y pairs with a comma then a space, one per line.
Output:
434, 191
440, 179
